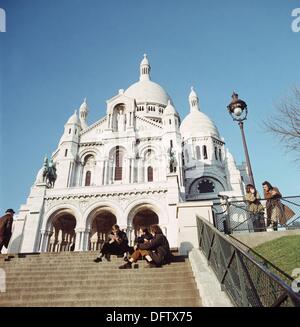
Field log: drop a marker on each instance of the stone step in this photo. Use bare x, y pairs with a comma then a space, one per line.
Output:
85, 268
120, 302
98, 272
95, 282
68, 262
105, 278
97, 269
21, 288
58, 261
113, 293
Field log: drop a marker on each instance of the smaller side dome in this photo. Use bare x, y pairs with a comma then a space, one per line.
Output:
74, 119
170, 110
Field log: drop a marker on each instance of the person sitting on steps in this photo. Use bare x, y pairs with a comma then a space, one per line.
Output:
156, 251
117, 245
142, 235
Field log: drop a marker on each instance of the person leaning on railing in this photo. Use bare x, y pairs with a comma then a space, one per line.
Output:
256, 208
276, 211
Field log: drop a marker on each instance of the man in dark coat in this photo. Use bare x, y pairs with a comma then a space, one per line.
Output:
117, 244
156, 251
6, 222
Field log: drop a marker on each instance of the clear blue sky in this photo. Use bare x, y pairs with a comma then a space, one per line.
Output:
57, 52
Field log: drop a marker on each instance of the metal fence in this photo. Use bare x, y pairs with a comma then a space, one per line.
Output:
246, 281
239, 218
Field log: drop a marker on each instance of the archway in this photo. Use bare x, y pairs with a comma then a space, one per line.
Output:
101, 223
144, 218
62, 232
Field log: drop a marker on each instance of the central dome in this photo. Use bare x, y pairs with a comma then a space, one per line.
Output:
147, 91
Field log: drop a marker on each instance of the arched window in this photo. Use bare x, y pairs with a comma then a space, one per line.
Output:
204, 150
70, 130
206, 186
186, 155
150, 174
220, 154
198, 154
118, 164
88, 178
216, 153
66, 152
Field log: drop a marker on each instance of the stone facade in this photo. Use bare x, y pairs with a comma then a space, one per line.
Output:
133, 167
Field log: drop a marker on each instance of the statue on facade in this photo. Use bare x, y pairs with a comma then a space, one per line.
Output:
51, 174
121, 121
47, 174
172, 161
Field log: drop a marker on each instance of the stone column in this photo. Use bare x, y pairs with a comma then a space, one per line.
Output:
41, 247
77, 239
105, 172
101, 168
110, 171
81, 167
127, 171
132, 170
85, 240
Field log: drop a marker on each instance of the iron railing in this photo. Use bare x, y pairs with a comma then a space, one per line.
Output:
239, 218
247, 282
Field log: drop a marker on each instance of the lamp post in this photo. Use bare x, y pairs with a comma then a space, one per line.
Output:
238, 111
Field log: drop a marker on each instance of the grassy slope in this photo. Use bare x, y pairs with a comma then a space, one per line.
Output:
284, 252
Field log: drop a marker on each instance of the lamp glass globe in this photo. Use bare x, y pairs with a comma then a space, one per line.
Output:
238, 111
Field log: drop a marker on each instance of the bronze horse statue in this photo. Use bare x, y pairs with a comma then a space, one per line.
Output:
49, 172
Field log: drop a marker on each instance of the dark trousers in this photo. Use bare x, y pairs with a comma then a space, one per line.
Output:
114, 248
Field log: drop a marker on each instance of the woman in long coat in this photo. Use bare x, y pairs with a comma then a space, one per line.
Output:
277, 213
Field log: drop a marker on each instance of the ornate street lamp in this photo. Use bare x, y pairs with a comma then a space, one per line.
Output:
238, 111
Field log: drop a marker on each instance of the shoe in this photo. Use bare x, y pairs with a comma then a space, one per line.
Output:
107, 257
98, 260
151, 265
126, 259
127, 265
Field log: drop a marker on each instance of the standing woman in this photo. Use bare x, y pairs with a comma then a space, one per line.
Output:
256, 208
275, 209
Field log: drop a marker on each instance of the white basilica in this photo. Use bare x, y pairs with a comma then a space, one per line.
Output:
132, 167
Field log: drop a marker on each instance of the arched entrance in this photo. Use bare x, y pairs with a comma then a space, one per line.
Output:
62, 232
144, 218
101, 223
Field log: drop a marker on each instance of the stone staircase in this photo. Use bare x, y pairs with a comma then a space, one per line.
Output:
73, 279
